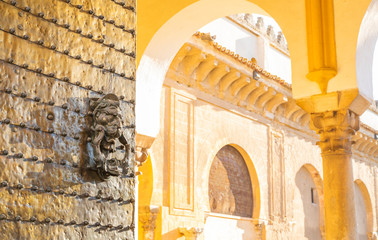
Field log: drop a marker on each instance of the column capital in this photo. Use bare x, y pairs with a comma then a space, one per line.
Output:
147, 217
191, 233
335, 129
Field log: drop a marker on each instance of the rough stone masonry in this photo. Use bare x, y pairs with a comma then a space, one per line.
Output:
55, 56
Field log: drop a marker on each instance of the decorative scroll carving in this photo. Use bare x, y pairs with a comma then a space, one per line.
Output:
108, 141
191, 233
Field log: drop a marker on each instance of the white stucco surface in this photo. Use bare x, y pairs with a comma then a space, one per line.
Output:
248, 45
370, 118
218, 228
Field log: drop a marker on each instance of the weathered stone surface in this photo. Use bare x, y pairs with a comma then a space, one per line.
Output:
54, 57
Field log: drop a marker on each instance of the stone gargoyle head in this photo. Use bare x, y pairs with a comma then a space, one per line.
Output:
110, 147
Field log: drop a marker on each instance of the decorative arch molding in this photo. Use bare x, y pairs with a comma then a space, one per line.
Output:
368, 205
163, 47
173, 29
316, 177
256, 195
366, 43
146, 181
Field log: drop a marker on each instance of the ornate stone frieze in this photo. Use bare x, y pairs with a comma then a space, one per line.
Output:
110, 148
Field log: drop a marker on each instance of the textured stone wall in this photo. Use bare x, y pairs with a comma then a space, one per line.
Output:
230, 190
54, 56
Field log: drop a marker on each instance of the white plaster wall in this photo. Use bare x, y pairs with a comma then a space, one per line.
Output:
248, 45
370, 118
360, 213
366, 46
375, 72
306, 213
278, 64
218, 228
233, 37
366, 171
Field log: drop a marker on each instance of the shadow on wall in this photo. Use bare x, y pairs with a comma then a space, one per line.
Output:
310, 202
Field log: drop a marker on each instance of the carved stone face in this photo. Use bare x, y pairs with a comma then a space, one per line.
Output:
107, 133
110, 119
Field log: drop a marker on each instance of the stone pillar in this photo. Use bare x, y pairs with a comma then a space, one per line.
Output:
147, 218
191, 233
335, 129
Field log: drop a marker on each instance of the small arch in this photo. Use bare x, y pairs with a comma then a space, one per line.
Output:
366, 44
318, 182
368, 206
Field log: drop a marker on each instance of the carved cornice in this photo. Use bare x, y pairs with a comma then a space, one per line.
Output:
250, 63
365, 144
191, 233
335, 129
204, 65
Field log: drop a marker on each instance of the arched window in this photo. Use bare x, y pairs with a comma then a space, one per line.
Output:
230, 188
308, 204
364, 210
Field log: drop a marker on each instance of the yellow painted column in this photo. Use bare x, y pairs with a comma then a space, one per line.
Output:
335, 129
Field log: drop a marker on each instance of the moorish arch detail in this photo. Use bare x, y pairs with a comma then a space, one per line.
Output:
230, 188
310, 196
364, 210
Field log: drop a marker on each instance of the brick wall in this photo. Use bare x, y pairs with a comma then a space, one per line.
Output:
230, 190
54, 56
